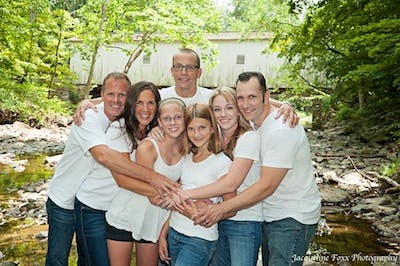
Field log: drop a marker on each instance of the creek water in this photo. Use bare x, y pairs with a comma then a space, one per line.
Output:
349, 237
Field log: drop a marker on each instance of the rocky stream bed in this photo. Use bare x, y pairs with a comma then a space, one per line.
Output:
347, 171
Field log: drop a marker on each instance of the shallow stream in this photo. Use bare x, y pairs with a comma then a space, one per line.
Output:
350, 240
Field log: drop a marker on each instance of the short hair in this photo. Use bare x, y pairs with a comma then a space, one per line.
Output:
199, 110
246, 76
115, 76
188, 51
229, 95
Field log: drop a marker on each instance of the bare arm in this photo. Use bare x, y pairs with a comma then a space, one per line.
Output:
163, 244
119, 163
224, 185
269, 181
134, 185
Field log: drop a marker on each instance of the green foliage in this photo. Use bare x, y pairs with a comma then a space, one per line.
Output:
33, 58
145, 23
31, 102
346, 49
392, 170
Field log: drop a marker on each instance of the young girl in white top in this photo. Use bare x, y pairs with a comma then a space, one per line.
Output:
190, 244
239, 236
132, 214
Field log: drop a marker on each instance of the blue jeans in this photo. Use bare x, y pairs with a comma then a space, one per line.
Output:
185, 250
91, 235
61, 230
285, 240
238, 243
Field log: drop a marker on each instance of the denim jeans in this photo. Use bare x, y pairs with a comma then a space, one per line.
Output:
185, 250
285, 240
91, 235
61, 230
238, 243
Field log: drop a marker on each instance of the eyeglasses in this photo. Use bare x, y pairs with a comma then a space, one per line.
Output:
188, 68
168, 119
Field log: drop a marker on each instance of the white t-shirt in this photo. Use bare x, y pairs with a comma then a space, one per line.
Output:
202, 95
77, 162
248, 147
297, 195
99, 188
197, 174
134, 213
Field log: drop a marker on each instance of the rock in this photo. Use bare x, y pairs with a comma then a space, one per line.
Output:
329, 176
355, 182
41, 235
51, 161
332, 194
388, 229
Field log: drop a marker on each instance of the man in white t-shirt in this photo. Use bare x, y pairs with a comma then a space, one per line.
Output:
87, 146
186, 70
291, 201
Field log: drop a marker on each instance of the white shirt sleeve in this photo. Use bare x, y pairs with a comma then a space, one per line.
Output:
281, 148
248, 146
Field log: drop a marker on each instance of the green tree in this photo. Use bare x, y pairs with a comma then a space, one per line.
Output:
356, 44
28, 56
145, 23
347, 50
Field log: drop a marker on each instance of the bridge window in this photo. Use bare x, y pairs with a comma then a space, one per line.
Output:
240, 59
146, 59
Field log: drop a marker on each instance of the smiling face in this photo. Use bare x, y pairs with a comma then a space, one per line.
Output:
199, 132
225, 113
185, 80
145, 108
171, 119
250, 100
114, 97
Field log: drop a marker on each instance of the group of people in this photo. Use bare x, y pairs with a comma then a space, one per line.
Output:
189, 175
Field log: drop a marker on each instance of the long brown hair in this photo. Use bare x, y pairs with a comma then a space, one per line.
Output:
199, 110
131, 122
229, 95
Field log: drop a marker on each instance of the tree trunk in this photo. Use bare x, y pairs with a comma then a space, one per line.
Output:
138, 50
53, 73
88, 87
132, 58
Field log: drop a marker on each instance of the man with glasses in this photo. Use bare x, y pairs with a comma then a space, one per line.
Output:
186, 70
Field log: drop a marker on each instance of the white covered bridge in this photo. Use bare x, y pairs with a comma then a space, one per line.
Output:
235, 56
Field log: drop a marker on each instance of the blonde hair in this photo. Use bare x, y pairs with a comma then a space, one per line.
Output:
229, 95
199, 110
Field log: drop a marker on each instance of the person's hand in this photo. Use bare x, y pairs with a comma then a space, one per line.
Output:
186, 207
163, 185
163, 250
209, 215
156, 133
289, 114
163, 202
79, 114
